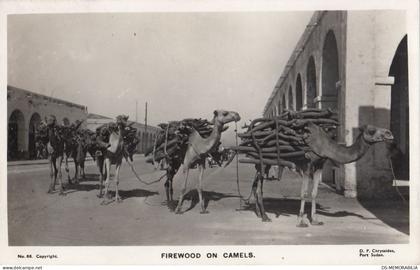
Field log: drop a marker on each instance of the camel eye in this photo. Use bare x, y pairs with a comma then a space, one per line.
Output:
225, 113
371, 131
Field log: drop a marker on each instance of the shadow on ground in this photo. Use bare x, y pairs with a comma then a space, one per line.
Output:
287, 207
393, 212
208, 196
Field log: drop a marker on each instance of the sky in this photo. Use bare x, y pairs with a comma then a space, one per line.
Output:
183, 64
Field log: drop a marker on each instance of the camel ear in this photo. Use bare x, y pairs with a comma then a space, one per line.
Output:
215, 112
362, 128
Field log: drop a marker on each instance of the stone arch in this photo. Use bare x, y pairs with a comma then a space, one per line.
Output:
284, 101
290, 99
311, 83
16, 136
330, 72
298, 88
33, 125
399, 109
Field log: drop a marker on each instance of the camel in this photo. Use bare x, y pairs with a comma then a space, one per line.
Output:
55, 149
197, 150
323, 148
74, 147
116, 150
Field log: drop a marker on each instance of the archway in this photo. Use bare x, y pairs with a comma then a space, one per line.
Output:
16, 136
329, 92
33, 125
310, 83
284, 102
298, 93
290, 98
330, 72
399, 110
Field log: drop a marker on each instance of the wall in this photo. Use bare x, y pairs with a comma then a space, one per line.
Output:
27, 104
366, 45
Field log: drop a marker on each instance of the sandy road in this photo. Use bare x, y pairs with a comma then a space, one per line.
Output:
37, 218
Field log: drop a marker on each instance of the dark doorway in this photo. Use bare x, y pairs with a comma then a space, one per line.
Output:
290, 98
399, 111
330, 72
310, 83
33, 125
329, 92
15, 136
298, 93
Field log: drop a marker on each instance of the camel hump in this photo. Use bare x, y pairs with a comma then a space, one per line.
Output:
318, 140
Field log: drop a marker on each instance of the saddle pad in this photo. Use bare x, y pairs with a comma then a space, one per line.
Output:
114, 140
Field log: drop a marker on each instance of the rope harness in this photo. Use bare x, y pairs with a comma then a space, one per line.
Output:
241, 198
394, 181
138, 177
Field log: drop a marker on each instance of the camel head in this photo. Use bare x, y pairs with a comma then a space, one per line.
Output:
225, 117
122, 121
51, 120
372, 134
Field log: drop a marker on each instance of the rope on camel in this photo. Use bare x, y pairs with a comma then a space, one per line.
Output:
241, 198
394, 179
138, 177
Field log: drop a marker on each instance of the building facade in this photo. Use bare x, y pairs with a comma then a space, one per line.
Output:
147, 135
25, 110
356, 63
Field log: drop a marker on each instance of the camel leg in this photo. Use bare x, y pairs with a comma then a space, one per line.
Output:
317, 179
52, 174
168, 184
66, 165
181, 196
303, 192
107, 165
76, 172
254, 193
260, 201
60, 175
82, 168
100, 163
200, 188
117, 181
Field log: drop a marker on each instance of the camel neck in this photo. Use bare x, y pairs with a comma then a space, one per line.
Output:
357, 150
216, 133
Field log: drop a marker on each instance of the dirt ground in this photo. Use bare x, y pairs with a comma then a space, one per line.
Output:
36, 218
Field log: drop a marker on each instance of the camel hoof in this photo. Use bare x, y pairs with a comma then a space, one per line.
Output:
118, 199
50, 191
204, 212
99, 195
106, 202
302, 225
317, 223
266, 219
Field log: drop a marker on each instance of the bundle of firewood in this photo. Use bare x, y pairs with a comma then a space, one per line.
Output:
281, 140
171, 141
129, 133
